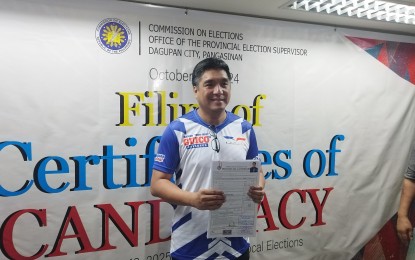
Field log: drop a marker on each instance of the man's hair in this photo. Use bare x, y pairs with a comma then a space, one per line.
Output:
208, 64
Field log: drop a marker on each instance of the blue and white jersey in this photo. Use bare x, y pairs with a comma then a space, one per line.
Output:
186, 150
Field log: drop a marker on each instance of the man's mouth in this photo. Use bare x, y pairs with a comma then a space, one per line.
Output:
218, 99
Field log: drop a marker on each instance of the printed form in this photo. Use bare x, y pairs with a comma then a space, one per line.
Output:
237, 216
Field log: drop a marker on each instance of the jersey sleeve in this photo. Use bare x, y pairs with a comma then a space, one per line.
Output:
253, 146
167, 157
410, 172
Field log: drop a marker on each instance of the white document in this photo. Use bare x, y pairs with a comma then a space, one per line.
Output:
410, 255
237, 216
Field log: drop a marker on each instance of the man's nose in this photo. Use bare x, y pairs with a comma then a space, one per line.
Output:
218, 89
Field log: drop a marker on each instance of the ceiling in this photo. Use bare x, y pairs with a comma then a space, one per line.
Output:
271, 9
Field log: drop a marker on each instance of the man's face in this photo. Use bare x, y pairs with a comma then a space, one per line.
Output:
214, 91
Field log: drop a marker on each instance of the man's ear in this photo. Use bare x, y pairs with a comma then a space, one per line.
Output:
195, 89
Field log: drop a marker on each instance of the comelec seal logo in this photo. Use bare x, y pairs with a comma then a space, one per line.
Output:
113, 35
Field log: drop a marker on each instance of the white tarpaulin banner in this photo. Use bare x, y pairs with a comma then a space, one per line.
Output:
87, 88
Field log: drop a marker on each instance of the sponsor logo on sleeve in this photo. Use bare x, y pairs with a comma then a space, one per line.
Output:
159, 158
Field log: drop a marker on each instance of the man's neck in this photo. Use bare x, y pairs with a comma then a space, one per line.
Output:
212, 118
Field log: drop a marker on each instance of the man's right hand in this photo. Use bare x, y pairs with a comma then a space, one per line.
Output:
208, 199
404, 229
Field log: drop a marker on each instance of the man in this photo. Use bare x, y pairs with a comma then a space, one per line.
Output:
253, 168
404, 226
186, 150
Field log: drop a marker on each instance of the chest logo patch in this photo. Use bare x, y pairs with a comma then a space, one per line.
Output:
196, 141
235, 140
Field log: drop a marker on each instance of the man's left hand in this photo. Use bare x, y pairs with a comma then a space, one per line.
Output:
256, 193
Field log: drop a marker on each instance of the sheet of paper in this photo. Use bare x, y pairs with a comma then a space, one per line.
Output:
237, 216
410, 255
